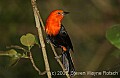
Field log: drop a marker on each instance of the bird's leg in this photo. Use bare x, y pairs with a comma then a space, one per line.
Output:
65, 62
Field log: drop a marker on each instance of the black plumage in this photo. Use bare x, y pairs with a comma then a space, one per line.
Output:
60, 40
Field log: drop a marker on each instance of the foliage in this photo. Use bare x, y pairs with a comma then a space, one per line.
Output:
27, 40
113, 35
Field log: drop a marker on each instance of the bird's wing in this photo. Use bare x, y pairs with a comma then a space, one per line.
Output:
63, 33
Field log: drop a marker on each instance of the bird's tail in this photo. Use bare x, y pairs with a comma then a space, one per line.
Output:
68, 63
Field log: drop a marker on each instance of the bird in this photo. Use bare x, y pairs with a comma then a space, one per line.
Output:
58, 36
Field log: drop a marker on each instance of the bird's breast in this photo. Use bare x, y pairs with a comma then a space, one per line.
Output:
53, 28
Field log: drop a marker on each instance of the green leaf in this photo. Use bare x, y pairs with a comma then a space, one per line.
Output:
14, 56
10, 53
28, 40
113, 35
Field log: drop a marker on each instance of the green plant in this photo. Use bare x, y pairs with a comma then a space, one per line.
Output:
113, 36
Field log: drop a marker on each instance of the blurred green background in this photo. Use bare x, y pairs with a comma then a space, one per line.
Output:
86, 24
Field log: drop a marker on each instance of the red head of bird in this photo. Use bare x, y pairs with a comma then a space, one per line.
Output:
53, 22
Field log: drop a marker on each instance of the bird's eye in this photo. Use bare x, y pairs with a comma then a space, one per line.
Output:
58, 12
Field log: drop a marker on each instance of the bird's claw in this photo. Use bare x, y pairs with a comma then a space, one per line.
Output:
48, 40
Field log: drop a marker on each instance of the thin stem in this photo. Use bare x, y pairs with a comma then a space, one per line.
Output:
35, 10
58, 60
36, 68
17, 47
30, 57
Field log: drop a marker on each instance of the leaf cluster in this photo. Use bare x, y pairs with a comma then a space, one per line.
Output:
28, 40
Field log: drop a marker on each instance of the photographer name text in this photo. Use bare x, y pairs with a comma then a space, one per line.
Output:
97, 73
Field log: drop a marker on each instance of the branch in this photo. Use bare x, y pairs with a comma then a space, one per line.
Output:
30, 57
58, 60
32, 61
17, 47
35, 10
56, 55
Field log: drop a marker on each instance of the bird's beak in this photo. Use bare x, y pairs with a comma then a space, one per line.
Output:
64, 13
